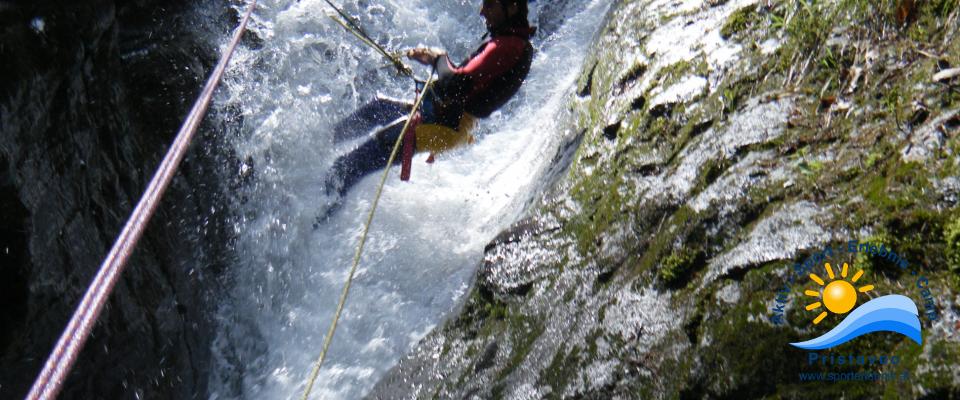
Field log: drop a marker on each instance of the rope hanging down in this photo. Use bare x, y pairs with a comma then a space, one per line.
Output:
50, 381
363, 240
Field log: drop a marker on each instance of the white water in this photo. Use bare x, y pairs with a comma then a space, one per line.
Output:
428, 234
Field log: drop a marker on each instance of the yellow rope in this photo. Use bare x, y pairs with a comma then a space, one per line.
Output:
363, 240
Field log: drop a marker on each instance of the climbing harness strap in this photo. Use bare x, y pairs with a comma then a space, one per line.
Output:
61, 360
356, 257
409, 147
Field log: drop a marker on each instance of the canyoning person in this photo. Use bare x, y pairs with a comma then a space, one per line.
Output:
480, 85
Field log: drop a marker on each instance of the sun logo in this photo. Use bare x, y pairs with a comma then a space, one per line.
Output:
839, 296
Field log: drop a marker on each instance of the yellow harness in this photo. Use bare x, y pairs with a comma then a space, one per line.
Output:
437, 139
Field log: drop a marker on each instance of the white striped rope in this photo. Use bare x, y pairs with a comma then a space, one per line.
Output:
61, 360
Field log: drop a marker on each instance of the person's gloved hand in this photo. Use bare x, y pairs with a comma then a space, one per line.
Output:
424, 55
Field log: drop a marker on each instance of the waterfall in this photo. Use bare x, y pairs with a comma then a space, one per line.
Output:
288, 87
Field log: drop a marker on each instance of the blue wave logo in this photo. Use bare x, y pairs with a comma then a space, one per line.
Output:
891, 313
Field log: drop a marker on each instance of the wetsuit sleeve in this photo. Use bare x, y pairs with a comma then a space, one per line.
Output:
496, 58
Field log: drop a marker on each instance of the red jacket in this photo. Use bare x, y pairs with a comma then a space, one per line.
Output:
488, 78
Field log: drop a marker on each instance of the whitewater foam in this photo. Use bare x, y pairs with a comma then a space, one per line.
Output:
428, 234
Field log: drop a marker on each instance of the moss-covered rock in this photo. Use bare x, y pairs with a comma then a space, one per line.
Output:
739, 21
951, 236
709, 169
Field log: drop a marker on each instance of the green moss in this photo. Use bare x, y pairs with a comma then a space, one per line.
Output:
873, 158
872, 264
951, 235
562, 369
812, 167
592, 344
585, 81
524, 335
675, 267
739, 21
602, 206
569, 295
933, 370
806, 26
662, 242
731, 95
899, 186
919, 234
672, 73
496, 310
472, 350
711, 170
661, 126
632, 126
746, 355
926, 21
491, 318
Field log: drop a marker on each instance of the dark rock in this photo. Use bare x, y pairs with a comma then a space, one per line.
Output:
92, 94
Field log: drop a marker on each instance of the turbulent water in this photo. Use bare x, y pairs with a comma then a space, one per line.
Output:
289, 86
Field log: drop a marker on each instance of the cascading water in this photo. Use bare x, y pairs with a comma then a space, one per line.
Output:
304, 74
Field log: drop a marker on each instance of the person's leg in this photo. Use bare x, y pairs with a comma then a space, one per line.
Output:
370, 156
380, 112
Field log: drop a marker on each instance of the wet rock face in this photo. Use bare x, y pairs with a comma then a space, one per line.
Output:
13, 257
724, 141
91, 95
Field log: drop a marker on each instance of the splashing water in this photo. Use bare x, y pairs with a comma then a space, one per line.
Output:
428, 234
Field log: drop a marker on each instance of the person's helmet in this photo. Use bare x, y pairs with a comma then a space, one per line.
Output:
522, 11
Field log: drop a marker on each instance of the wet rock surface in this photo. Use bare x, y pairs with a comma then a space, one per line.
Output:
724, 142
91, 96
